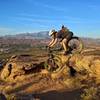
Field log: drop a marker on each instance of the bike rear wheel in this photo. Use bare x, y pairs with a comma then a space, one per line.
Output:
75, 45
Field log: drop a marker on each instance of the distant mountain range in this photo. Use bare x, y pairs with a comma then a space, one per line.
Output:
40, 35
44, 35
35, 35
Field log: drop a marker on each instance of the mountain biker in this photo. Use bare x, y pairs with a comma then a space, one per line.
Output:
63, 35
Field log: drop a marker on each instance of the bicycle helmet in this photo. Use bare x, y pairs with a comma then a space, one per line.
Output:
51, 32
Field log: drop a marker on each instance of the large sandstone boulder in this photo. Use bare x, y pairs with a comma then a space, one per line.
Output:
89, 65
19, 65
85, 65
77, 63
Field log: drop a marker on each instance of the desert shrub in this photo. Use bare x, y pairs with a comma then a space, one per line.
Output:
90, 94
11, 97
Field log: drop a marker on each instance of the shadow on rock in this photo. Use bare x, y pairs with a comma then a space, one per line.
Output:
54, 95
2, 97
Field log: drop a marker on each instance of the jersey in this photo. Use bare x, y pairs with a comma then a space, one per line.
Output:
64, 34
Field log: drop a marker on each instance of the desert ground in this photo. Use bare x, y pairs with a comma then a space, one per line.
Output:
24, 77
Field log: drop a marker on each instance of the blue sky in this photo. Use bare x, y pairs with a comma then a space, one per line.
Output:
80, 16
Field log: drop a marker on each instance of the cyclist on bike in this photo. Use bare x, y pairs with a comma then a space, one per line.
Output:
64, 35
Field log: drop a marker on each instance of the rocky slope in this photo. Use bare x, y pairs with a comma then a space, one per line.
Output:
25, 78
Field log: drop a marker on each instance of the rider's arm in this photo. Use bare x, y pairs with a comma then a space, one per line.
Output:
51, 42
54, 42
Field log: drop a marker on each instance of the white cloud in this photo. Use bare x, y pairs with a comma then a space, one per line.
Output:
43, 4
36, 18
46, 19
65, 19
94, 7
55, 8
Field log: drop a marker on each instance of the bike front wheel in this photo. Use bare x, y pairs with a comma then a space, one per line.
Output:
53, 64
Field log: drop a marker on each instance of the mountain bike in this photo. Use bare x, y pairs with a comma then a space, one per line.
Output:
54, 62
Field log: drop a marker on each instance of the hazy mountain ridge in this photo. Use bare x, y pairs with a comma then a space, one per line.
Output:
28, 38
35, 35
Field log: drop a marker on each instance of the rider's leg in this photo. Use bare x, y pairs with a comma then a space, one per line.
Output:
65, 46
66, 43
61, 48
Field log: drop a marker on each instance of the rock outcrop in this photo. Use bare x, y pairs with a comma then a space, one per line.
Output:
26, 74
20, 65
77, 64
